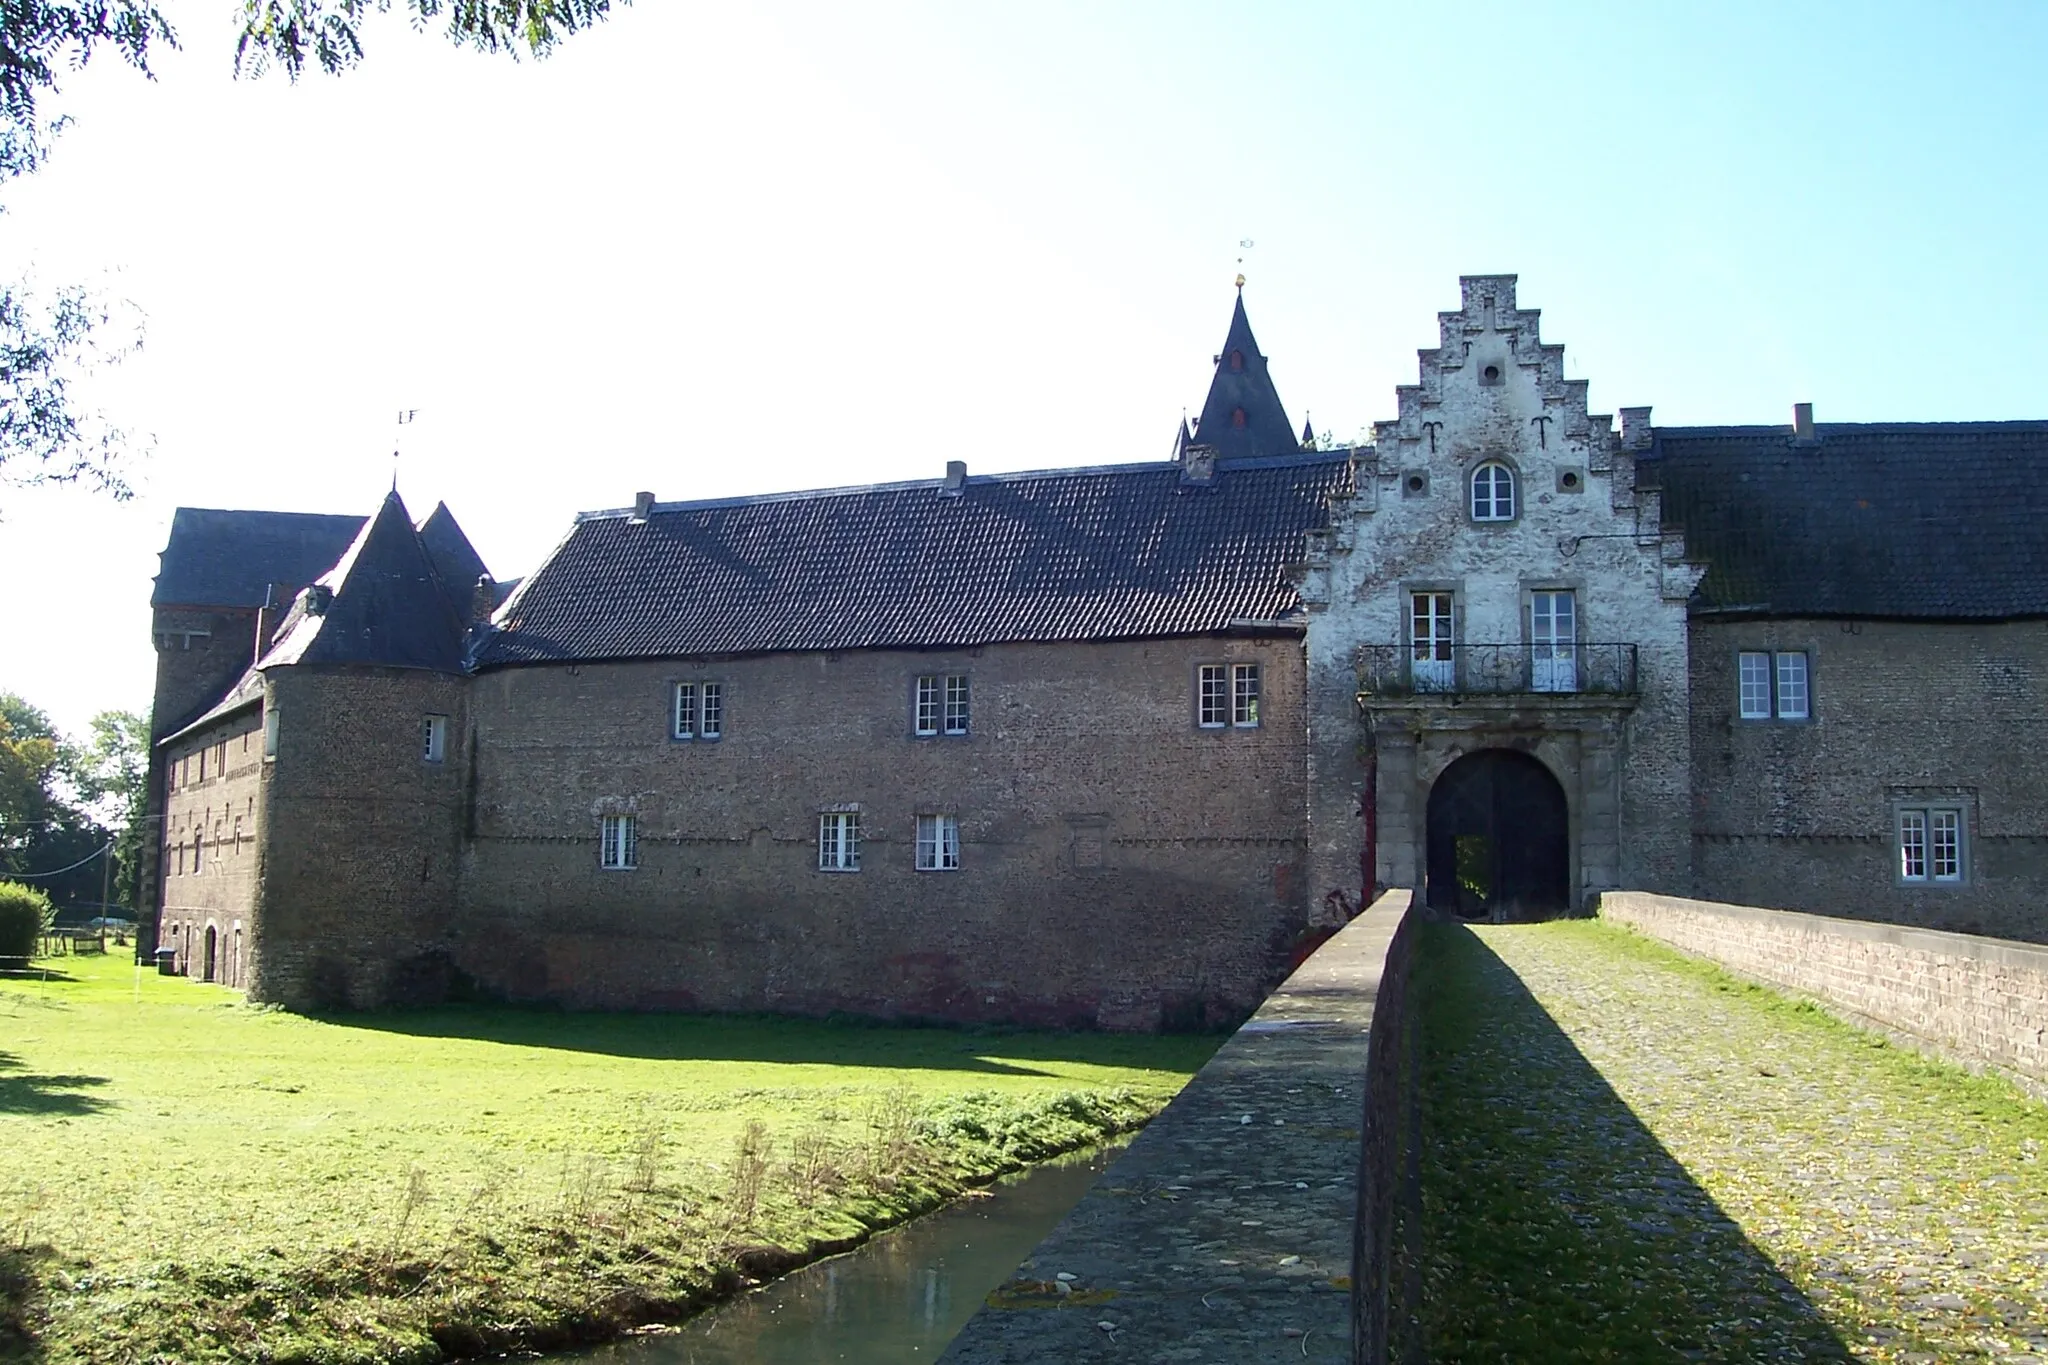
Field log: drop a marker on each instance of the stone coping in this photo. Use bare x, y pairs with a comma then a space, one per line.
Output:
1224, 1233
2006, 952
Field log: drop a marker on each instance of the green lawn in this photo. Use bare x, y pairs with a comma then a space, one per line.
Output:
187, 1177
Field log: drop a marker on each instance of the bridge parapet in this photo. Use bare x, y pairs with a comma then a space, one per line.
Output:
1976, 1000
1256, 1217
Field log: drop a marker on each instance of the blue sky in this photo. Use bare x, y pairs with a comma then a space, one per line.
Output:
713, 250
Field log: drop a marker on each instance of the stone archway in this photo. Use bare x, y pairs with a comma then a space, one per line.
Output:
212, 952
1499, 843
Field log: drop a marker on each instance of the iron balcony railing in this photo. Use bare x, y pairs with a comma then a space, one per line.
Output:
1497, 670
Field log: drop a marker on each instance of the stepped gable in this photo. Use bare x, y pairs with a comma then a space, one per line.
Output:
1242, 418
455, 559
219, 558
1124, 552
382, 603
1907, 520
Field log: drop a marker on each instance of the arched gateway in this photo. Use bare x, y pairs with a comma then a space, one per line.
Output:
1499, 838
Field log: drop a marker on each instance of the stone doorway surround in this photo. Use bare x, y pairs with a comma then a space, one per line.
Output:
1581, 739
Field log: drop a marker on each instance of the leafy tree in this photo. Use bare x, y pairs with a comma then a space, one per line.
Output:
24, 915
46, 345
111, 773
44, 828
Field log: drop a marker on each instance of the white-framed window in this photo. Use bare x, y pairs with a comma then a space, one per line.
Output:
938, 843
839, 841
434, 738
1931, 844
1244, 696
1212, 696
1493, 492
618, 843
698, 711
1553, 640
940, 705
1432, 635
1774, 686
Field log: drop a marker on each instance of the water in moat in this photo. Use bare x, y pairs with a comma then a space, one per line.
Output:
901, 1297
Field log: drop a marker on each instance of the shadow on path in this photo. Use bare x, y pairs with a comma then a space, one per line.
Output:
1556, 1226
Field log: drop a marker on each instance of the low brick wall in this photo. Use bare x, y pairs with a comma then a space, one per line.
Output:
1234, 1226
1980, 1001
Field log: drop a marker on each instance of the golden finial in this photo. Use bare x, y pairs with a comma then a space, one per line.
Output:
1240, 280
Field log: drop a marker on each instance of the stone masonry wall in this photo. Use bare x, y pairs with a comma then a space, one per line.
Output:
1120, 867
209, 851
1802, 815
362, 844
1981, 1000
1493, 391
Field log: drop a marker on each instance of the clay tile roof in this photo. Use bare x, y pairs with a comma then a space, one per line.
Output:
1923, 520
221, 558
1089, 554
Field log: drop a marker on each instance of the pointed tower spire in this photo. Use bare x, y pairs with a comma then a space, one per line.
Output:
1242, 417
1181, 438
1308, 433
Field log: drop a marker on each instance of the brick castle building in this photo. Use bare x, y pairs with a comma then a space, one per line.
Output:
1112, 746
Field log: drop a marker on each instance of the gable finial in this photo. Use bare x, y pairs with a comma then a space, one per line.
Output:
405, 415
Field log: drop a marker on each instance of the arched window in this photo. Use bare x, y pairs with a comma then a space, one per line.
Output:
1237, 418
1237, 362
1493, 492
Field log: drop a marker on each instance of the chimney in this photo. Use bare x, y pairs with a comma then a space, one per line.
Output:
956, 478
266, 621
1802, 424
483, 601
1635, 428
643, 503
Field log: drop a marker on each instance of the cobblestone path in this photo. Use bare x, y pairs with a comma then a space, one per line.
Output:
1631, 1156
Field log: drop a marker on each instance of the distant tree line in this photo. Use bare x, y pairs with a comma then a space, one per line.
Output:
61, 802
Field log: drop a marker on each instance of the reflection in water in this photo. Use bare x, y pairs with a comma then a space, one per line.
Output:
900, 1297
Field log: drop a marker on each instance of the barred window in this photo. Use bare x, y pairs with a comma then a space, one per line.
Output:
618, 843
1212, 696
434, 738
938, 843
839, 841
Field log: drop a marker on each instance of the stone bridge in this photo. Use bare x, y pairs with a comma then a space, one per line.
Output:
1569, 1141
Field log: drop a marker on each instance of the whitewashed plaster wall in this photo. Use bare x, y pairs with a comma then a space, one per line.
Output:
1494, 391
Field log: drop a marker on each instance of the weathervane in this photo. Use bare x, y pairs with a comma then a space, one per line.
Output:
1244, 244
405, 415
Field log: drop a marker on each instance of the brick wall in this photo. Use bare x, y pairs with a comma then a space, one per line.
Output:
1120, 866
361, 855
1983, 1001
208, 854
1802, 814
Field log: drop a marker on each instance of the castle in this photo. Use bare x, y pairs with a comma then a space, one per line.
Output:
1112, 746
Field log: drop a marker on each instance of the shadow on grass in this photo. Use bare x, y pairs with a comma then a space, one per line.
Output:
30, 1093
763, 1038
21, 1297
34, 973
1556, 1227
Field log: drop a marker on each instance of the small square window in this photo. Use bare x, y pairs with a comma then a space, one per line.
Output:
938, 843
940, 705
839, 841
1244, 696
1212, 696
434, 738
618, 843
1773, 686
1931, 844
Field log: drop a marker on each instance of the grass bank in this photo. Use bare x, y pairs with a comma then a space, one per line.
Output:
189, 1178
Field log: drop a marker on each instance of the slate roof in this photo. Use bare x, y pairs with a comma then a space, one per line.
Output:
387, 606
455, 559
1911, 520
1123, 552
218, 558
1266, 430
